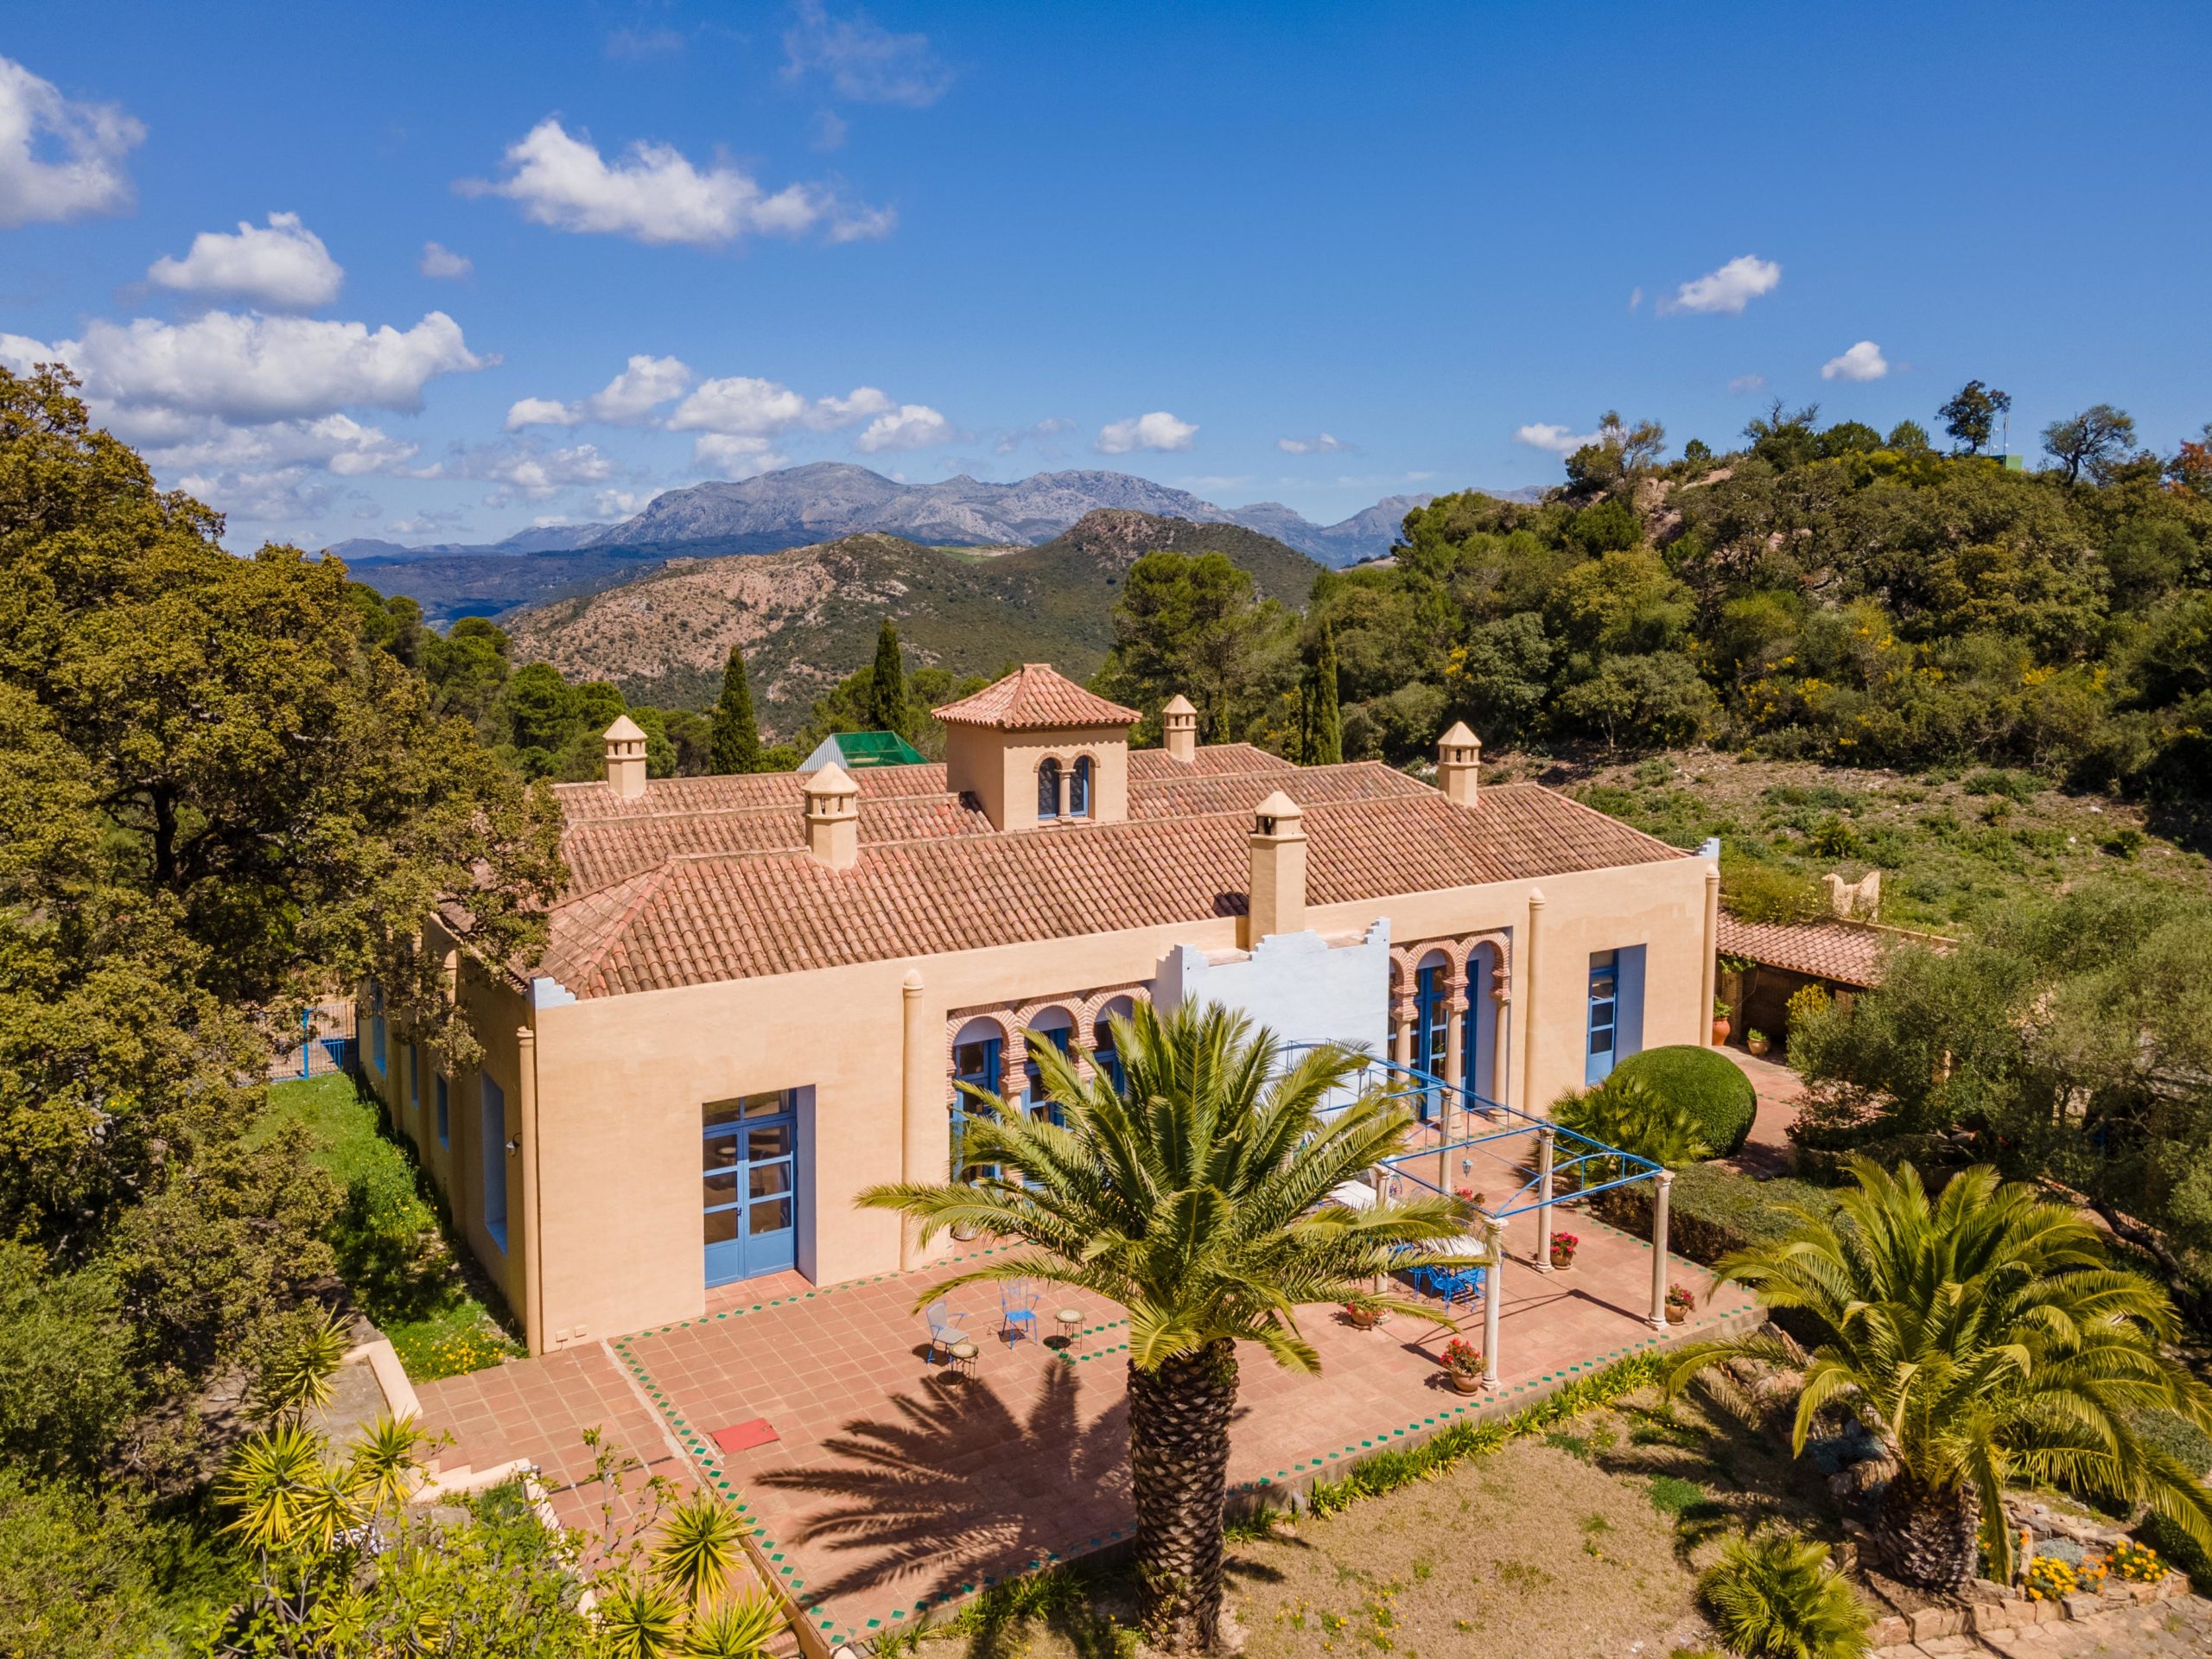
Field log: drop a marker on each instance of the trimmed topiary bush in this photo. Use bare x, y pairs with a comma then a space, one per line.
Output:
1705, 1083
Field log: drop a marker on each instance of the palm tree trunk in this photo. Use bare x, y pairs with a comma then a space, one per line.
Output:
1928, 1535
1178, 1460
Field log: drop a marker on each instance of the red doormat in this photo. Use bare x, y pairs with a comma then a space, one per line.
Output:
743, 1437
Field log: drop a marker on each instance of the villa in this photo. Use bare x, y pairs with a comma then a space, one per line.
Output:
760, 991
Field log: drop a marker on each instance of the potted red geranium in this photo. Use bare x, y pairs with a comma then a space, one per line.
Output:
1364, 1312
1463, 1363
1681, 1298
1563, 1246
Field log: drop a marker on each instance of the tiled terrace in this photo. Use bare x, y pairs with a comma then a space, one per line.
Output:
894, 1488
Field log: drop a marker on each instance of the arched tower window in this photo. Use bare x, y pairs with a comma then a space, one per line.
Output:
1048, 788
1079, 789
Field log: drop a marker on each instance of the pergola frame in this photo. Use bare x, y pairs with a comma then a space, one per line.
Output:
1492, 1127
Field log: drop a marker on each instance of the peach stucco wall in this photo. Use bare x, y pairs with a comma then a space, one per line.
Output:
620, 1081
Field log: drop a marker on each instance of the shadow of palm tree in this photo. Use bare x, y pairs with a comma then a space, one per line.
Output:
957, 1488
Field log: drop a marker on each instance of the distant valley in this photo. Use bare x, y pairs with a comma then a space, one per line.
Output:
800, 507
807, 616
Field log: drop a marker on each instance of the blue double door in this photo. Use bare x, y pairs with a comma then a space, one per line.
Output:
750, 1186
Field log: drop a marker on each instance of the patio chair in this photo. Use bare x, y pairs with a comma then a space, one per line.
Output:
1018, 1307
944, 1334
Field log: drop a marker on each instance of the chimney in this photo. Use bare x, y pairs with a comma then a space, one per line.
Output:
833, 817
1179, 729
1276, 903
625, 758
1459, 759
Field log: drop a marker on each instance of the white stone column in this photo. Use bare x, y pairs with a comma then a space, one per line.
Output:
1664, 1184
1455, 1015
1544, 1138
1401, 1039
1493, 1296
921, 1104
1067, 783
1500, 1043
534, 1337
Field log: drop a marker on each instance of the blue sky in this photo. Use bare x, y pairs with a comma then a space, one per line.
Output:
1316, 254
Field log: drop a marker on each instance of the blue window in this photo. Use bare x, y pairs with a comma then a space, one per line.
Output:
1048, 788
445, 1130
1605, 1016
493, 1153
1103, 1054
749, 1185
1432, 1027
1478, 1025
1079, 789
975, 1061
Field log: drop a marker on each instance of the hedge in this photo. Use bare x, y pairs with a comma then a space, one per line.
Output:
1709, 1084
1713, 1211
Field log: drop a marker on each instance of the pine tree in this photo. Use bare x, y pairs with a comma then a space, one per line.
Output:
1324, 742
886, 691
737, 735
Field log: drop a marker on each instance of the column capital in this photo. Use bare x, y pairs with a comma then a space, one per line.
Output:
1456, 1004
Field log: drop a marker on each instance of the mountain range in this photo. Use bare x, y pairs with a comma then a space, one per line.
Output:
805, 617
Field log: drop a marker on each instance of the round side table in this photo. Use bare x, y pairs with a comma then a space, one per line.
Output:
963, 1358
1070, 1320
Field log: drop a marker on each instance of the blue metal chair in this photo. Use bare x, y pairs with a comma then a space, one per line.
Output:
942, 1333
1018, 1307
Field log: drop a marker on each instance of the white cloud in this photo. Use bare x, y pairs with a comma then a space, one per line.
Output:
253, 368
1863, 361
830, 413
337, 442
1041, 435
1728, 289
729, 455
288, 495
1744, 385
611, 504
643, 387
1158, 430
830, 130
60, 159
739, 404
283, 268
1635, 298
865, 61
441, 261
653, 193
1545, 434
524, 469
911, 426
1321, 444
431, 521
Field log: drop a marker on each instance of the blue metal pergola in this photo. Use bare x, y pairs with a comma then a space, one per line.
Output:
1491, 1131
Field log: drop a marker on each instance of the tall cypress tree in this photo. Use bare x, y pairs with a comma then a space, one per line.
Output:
737, 735
1325, 744
887, 690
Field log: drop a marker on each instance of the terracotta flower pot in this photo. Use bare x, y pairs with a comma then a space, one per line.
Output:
1758, 1044
1719, 1032
1676, 1312
1466, 1381
1363, 1318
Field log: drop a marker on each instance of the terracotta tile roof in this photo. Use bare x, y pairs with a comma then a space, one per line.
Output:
1850, 953
1214, 758
744, 791
1033, 698
1190, 796
604, 850
698, 918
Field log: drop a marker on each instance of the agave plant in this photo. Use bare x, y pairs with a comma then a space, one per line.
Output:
383, 1466
1777, 1596
1983, 1337
639, 1619
698, 1548
296, 1380
1188, 1194
1628, 1113
286, 1493
736, 1630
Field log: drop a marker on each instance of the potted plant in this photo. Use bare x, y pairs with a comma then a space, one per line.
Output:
1563, 1246
1681, 1298
1719, 1022
1755, 1041
1463, 1363
1468, 1195
1365, 1312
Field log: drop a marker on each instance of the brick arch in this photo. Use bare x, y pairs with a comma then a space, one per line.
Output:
956, 1023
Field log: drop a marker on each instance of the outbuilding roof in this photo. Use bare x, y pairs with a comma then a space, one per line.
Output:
1847, 953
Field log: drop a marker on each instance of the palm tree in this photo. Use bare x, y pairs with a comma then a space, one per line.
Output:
1191, 1196
1983, 1339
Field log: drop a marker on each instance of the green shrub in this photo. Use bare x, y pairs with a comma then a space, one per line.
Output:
2007, 786
1703, 1082
1713, 1211
1765, 892
1629, 1113
1779, 1596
